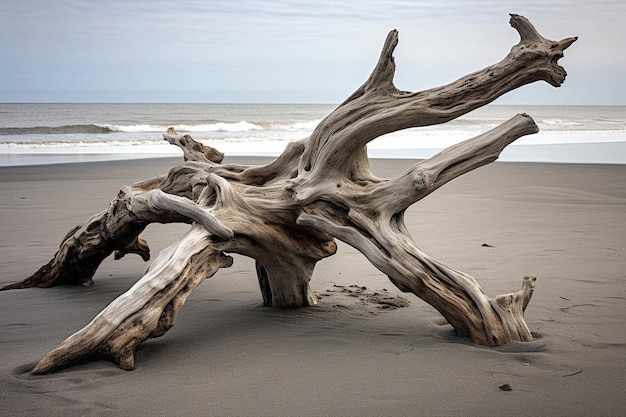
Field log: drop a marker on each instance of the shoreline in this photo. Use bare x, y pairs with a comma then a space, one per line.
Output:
611, 152
563, 223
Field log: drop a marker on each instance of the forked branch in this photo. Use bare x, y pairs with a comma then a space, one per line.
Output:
378, 108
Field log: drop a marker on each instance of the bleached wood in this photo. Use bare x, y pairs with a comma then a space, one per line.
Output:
193, 150
286, 214
142, 311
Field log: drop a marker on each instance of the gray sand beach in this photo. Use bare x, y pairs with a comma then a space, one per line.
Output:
353, 355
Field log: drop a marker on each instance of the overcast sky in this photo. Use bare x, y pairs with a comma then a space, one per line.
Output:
291, 51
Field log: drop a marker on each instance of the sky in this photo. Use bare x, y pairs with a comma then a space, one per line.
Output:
267, 51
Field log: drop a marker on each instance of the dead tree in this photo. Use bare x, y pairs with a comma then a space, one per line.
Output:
286, 214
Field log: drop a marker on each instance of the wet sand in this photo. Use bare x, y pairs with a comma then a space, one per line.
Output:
353, 355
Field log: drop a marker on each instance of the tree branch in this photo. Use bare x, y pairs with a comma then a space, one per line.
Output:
146, 310
193, 150
457, 296
339, 141
151, 206
427, 176
380, 80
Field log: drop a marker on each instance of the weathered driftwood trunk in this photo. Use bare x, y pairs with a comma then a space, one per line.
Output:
287, 214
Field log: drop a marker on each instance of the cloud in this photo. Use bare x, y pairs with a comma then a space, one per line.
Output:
282, 48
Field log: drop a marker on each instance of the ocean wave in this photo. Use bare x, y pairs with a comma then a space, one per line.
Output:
148, 128
105, 128
95, 143
234, 127
78, 144
242, 126
133, 128
55, 130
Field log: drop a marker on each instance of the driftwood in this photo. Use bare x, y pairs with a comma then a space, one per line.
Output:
286, 214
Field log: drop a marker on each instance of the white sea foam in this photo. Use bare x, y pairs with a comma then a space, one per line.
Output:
240, 126
134, 128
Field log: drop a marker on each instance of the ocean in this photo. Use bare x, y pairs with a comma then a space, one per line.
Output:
32, 134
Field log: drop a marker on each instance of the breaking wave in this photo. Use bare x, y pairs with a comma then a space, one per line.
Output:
55, 130
78, 144
217, 126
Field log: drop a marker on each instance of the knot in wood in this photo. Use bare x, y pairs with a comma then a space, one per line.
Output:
420, 180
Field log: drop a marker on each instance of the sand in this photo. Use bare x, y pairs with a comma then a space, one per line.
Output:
352, 355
